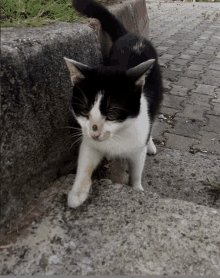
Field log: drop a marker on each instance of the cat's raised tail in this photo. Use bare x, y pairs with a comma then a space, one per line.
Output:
109, 23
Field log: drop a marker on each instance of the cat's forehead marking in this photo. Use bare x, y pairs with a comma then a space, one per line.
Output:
95, 113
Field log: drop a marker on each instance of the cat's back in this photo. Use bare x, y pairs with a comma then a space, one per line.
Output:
131, 50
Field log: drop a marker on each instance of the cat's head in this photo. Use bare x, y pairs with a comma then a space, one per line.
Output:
106, 100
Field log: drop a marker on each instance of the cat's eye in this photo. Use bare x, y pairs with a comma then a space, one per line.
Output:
84, 113
111, 117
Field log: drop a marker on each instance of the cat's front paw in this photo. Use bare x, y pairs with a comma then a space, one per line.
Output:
138, 187
151, 148
75, 199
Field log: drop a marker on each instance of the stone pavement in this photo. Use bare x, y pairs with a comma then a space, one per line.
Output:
187, 37
173, 226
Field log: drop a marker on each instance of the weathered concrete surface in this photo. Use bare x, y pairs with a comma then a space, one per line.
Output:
35, 99
120, 231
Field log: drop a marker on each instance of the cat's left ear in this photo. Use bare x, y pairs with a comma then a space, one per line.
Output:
77, 70
140, 72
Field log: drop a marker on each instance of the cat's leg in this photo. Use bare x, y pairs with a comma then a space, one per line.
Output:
151, 148
88, 159
136, 163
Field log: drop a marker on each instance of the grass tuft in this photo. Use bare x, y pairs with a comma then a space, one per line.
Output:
16, 13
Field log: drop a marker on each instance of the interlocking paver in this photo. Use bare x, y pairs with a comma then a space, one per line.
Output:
209, 142
199, 99
179, 90
213, 124
193, 111
187, 36
179, 142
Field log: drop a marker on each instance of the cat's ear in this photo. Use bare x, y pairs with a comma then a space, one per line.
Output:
140, 72
77, 70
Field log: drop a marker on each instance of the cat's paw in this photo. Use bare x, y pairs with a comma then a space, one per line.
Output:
151, 148
138, 187
75, 199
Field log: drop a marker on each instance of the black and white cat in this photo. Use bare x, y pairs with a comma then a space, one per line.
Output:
115, 104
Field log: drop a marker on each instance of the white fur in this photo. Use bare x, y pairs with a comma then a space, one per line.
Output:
126, 139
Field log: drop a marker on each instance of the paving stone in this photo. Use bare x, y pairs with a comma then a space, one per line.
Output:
162, 48
210, 142
163, 62
216, 98
215, 110
173, 101
178, 48
212, 73
190, 52
210, 48
199, 99
210, 80
179, 90
207, 51
167, 111
167, 57
173, 52
198, 44
196, 67
171, 42
205, 89
192, 73
201, 61
185, 56
183, 44
166, 85
216, 61
186, 127
171, 75
185, 81
213, 124
205, 56
215, 67
180, 62
176, 67
194, 47
193, 111
179, 142
159, 128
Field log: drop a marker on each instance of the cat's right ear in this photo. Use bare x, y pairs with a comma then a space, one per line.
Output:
140, 72
77, 70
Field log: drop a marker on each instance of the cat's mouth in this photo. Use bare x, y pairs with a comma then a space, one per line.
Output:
100, 138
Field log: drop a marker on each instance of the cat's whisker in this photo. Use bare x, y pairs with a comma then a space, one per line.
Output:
75, 136
85, 98
84, 103
76, 142
71, 127
117, 107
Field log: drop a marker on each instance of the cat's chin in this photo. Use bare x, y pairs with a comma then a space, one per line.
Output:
99, 139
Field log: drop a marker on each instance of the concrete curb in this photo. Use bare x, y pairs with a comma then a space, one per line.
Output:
121, 231
35, 148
